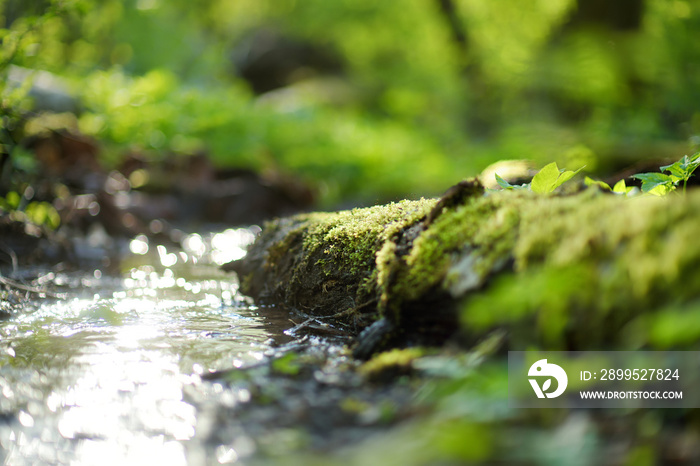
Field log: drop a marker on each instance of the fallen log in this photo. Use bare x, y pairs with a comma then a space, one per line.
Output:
589, 270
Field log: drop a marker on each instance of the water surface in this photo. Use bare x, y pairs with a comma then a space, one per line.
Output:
102, 376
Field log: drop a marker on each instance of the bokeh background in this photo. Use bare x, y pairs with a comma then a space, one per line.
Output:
365, 101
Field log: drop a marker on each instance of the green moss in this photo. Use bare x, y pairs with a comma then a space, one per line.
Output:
586, 265
349, 240
465, 244
582, 266
324, 263
393, 361
352, 238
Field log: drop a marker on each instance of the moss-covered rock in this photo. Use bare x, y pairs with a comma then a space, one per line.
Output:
587, 270
323, 264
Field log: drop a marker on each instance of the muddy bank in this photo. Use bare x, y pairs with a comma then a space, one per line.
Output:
587, 270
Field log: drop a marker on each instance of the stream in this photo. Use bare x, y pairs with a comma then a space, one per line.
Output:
115, 371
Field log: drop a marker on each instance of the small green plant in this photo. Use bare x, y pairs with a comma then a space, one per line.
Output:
619, 188
545, 181
661, 184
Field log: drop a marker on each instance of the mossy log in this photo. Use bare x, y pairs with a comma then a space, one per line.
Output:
589, 270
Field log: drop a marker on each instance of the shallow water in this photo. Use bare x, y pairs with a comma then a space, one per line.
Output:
103, 376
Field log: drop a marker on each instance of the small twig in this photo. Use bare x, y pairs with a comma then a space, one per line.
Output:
302, 325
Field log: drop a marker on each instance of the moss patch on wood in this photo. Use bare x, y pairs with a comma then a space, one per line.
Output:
323, 264
577, 271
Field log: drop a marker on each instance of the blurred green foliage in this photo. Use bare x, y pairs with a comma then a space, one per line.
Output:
36, 212
428, 92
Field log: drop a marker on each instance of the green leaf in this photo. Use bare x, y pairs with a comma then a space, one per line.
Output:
677, 173
683, 168
668, 167
621, 187
53, 219
693, 164
652, 181
550, 178
679, 169
544, 181
652, 177
564, 177
661, 190
588, 181
503, 183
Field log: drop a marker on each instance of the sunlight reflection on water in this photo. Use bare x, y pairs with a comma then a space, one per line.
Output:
101, 379
217, 248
